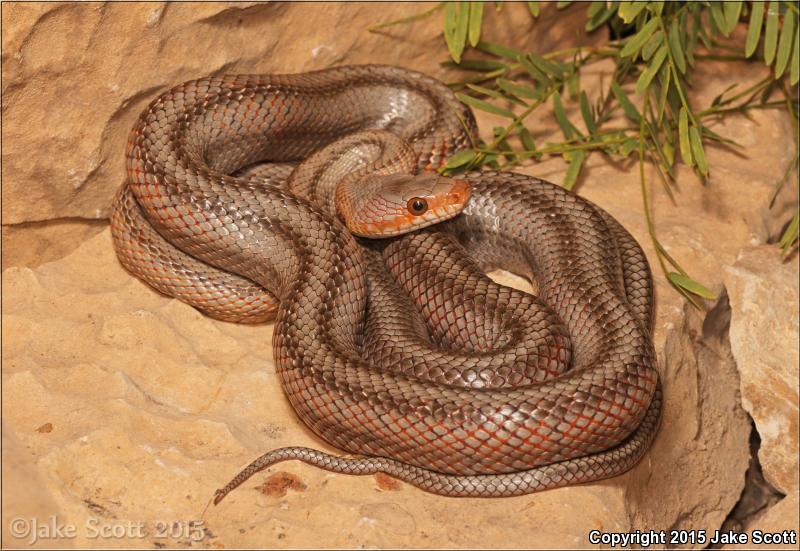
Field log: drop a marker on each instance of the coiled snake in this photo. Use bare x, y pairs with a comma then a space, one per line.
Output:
483, 392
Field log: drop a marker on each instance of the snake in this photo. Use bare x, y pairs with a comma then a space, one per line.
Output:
249, 196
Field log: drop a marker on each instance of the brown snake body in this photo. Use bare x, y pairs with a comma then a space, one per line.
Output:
360, 370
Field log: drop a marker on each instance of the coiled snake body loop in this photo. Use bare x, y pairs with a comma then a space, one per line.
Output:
465, 426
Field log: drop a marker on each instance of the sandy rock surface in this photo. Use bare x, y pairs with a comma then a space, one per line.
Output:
148, 407
123, 410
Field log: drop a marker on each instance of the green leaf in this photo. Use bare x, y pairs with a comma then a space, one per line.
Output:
784, 45
600, 16
794, 71
656, 7
454, 21
498, 50
732, 11
518, 90
683, 137
460, 159
548, 67
697, 151
484, 105
637, 41
450, 19
687, 283
718, 17
561, 117
652, 45
574, 85
703, 34
586, 112
664, 82
534, 8
629, 108
790, 234
534, 71
491, 160
475, 19
463, 24
754, 28
575, 159
771, 33
686, 38
669, 154
526, 139
647, 75
629, 10
663, 155
563, 4
674, 96
675, 46
485, 91
596, 7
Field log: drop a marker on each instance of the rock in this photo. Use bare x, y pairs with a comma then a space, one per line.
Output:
758, 494
779, 522
701, 455
35, 243
764, 332
24, 510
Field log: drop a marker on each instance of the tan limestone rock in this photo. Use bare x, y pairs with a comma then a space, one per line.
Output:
764, 338
777, 523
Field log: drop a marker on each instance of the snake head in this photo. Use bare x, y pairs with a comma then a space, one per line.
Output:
390, 205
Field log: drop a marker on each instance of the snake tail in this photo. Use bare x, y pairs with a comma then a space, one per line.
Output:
604, 465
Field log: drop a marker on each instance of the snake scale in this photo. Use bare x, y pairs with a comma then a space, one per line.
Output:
400, 351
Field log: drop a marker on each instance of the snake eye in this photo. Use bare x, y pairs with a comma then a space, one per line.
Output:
417, 206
